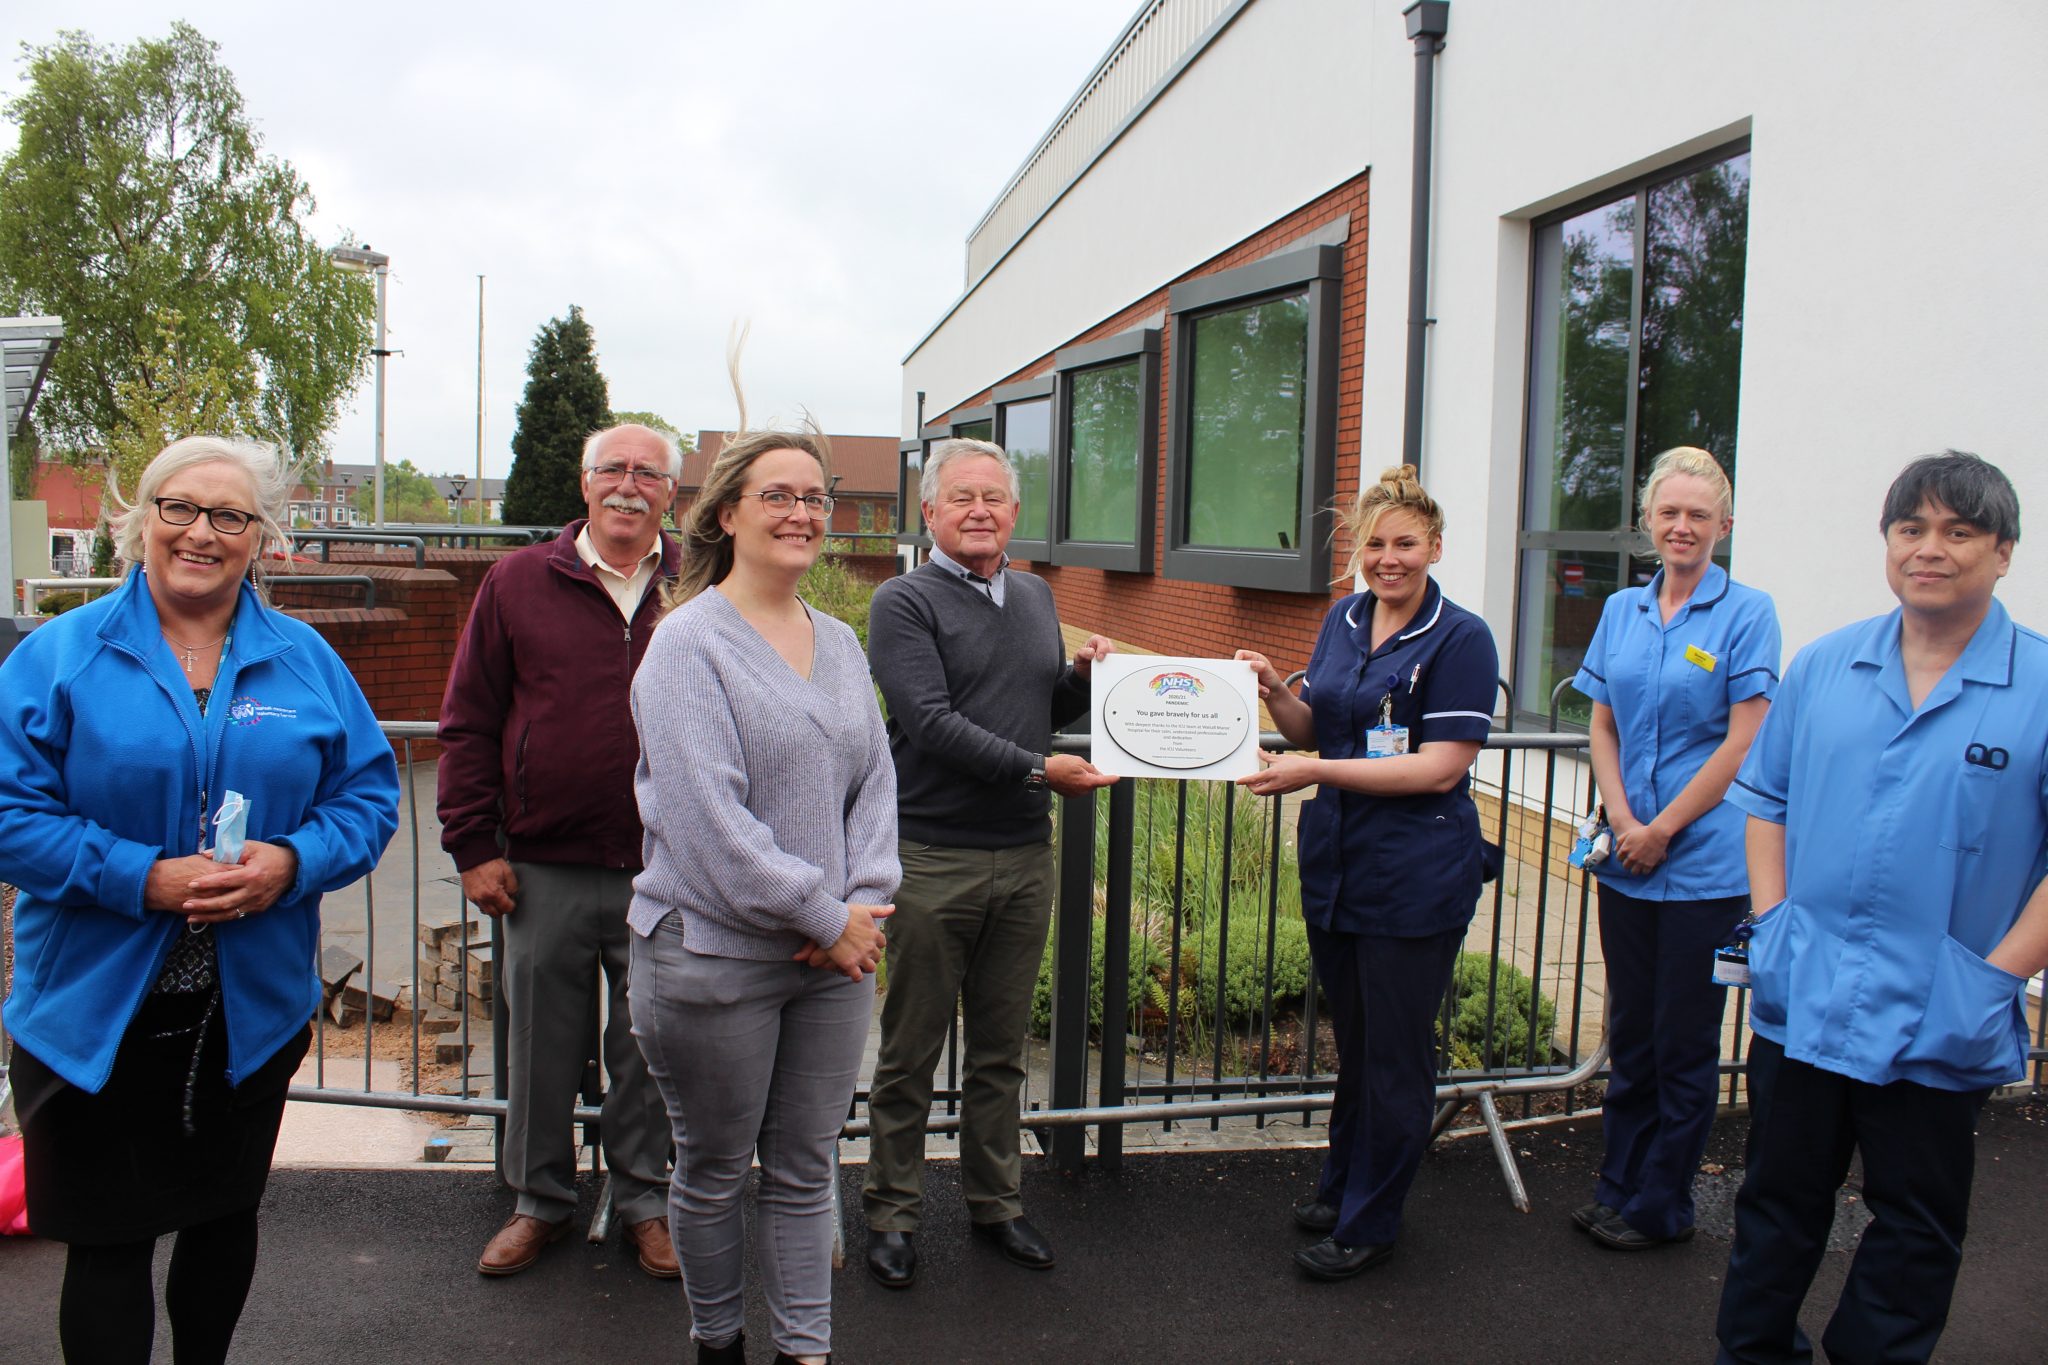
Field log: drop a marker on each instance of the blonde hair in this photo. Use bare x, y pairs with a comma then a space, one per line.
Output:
1702, 465
1399, 490
270, 485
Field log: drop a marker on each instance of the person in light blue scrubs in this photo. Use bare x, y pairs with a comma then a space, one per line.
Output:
1681, 673
1398, 702
1898, 828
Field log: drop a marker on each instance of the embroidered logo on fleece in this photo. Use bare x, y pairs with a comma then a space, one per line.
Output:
250, 711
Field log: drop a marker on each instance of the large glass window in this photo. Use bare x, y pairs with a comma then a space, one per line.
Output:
1024, 430
1104, 452
1253, 423
1247, 418
1635, 347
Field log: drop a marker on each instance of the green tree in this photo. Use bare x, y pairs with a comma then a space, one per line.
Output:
566, 399
684, 440
409, 496
138, 192
176, 389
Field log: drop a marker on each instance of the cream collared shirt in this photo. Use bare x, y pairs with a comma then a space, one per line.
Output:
625, 590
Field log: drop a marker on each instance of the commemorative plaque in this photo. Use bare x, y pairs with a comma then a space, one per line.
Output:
1172, 717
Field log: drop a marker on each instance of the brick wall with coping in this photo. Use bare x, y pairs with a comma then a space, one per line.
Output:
1172, 616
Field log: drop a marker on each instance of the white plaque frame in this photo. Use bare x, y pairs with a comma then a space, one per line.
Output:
1190, 719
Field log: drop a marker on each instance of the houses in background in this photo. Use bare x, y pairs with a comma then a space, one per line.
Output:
864, 482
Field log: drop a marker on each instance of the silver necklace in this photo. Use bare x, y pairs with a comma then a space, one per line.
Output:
189, 651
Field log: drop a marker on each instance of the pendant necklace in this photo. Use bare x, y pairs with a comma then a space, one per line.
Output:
190, 650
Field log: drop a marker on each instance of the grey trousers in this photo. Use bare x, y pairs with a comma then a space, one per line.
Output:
969, 927
569, 924
751, 1057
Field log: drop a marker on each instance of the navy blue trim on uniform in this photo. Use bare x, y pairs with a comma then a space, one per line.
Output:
1758, 790
1731, 677
1597, 677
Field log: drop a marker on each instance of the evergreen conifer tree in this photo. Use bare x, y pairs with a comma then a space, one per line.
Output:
566, 399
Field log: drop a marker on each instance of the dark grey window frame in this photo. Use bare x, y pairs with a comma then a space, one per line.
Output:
1036, 549
908, 494
1305, 568
1142, 345
967, 417
1534, 712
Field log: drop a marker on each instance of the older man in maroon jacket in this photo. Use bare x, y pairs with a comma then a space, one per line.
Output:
537, 809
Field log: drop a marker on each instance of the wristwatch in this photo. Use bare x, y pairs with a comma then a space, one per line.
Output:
1035, 779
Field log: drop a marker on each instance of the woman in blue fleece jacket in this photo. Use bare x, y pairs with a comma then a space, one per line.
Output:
161, 999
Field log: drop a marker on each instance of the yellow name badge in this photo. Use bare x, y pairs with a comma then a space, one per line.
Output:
1695, 655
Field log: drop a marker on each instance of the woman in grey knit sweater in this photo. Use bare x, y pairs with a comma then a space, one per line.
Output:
770, 807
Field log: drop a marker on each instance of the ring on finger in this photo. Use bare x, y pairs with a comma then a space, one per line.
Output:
241, 914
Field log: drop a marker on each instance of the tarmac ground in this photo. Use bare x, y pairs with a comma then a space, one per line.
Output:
1176, 1256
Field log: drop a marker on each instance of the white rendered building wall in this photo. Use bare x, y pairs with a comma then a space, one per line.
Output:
1896, 282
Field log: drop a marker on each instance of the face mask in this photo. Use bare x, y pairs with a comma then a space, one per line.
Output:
231, 828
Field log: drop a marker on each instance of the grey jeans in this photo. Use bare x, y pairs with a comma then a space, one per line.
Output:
568, 928
751, 1057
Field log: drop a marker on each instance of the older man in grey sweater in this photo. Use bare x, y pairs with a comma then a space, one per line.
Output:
969, 657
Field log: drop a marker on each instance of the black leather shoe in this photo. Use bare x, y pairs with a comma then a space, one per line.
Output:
1330, 1259
892, 1260
1019, 1241
734, 1352
1313, 1215
1586, 1217
1616, 1235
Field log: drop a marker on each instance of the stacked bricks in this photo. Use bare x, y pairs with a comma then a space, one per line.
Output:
456, 971
1172, 616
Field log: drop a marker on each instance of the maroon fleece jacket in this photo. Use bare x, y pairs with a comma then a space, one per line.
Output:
537, 739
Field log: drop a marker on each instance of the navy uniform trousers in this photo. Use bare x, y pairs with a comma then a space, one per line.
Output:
1919, 1149
1664, 1029
1384, 994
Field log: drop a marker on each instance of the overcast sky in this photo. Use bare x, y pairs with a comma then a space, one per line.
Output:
811, 167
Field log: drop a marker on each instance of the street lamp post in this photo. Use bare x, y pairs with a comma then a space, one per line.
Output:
363, 260
460, 484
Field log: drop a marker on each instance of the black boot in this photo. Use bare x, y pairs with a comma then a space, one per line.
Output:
734, 1352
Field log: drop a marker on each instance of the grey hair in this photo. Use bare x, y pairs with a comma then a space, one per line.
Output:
1972, 487
960, 448
594, 446
269, 481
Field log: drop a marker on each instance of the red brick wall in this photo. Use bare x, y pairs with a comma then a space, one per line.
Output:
1177, 617
401, 650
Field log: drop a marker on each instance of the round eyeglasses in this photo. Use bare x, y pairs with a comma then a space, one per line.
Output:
782, 502
229, 521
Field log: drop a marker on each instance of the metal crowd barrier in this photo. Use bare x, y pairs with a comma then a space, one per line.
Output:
327, 539
1166, 875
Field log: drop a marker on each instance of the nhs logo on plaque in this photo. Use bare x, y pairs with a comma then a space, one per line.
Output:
1177, 687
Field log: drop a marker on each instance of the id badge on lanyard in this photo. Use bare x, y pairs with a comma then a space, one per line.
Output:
1386, 740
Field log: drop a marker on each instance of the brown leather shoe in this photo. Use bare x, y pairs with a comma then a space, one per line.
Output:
518, 1244
650, 1238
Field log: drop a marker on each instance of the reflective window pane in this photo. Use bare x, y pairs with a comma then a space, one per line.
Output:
984, 430
1579, 378
1562, 594
1027, 437
1695, 254
1102, 454
913, 508
1246, 418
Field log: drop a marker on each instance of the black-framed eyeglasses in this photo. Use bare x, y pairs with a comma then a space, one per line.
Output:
617, 473
782, 502
229, 521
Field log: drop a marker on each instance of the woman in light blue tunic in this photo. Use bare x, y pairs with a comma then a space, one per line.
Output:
1681, 672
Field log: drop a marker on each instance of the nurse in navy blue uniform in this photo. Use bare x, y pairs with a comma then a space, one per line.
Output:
1681, 673
1398, 701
